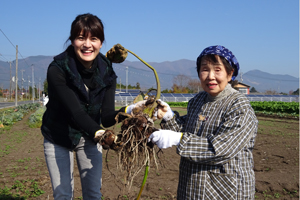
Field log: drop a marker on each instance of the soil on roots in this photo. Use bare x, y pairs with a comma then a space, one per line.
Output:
134, 152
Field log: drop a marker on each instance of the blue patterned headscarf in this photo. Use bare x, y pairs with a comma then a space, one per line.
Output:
226, 53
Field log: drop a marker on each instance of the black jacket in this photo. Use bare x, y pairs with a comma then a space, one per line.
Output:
72, 111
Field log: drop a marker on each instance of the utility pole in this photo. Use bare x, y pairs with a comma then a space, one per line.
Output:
120, 84
28, 87
126, 79
22, 83
10, 81
16, 93
2, 86
32, 84
39, 89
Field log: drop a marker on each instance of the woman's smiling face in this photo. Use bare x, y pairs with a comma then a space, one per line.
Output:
213, 76
86, 48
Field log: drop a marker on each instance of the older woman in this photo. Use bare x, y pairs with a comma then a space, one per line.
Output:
216, 138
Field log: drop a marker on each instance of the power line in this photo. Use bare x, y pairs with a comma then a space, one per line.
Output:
150, 71
14, 47
162, 73
4, 57
271, 78
8, 39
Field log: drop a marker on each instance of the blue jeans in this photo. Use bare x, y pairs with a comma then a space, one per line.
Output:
60, 163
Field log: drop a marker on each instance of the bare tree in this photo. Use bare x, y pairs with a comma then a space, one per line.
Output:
194, 85
270, 92
181, 80
185, 84
180, 83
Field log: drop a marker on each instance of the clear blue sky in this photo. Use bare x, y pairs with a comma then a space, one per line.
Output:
263, 34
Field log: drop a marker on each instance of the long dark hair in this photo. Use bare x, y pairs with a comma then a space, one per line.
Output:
87, 23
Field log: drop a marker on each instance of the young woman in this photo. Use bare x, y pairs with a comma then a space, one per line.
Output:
81, 89
216, 138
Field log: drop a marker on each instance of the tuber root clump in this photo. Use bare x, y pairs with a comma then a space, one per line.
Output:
132, 146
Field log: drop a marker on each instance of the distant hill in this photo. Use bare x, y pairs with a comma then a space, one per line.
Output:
40, 64
138, 72
263, 81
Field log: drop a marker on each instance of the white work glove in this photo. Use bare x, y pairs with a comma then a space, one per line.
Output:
165, 138
45, 101
99, 132
138, 105
163, 111
98, 135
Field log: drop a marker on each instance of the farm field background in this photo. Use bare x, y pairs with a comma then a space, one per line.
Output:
23, 169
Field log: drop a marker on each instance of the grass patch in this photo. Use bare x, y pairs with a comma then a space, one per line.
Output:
21, 190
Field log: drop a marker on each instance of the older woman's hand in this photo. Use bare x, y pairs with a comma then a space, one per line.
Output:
163, 111
136, 108
165, 138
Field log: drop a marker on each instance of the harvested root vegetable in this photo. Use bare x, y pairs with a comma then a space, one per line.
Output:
134, 150
108, 140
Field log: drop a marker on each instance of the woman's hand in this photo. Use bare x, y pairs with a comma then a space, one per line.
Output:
165, 138
163, 111
98, 135
136, 108
108, 139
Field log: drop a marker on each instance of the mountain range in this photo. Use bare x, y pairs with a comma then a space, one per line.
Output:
139, 73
